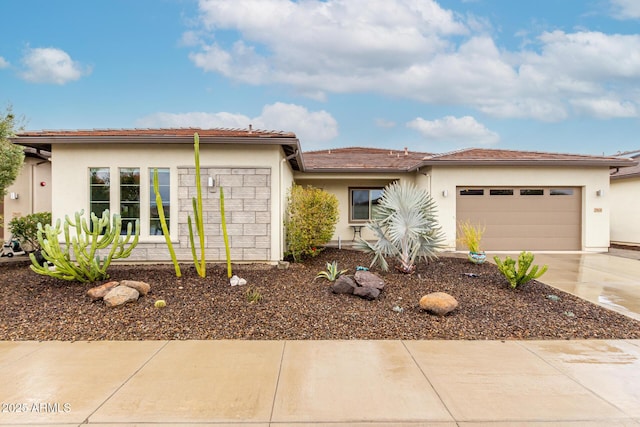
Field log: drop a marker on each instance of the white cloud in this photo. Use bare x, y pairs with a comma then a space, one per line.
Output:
51, 65
417, 50
3, 63
311, 127
626, 9
384, 123
605, 108
464, 130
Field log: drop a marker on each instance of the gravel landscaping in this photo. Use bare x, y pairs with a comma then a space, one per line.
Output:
294, 306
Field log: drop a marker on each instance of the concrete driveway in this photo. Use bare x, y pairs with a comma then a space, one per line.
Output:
610, 280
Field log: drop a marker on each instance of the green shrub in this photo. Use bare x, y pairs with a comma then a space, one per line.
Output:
519, 276
25, 228
77, 258
310, 220
406, 227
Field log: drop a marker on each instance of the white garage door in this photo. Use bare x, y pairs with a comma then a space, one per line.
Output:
523, 218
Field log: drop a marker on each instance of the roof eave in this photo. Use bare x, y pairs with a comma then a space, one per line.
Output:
556, 163
46, 142
356, 170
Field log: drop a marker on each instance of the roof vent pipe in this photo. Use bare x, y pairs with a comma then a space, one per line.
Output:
250, 128
406, 151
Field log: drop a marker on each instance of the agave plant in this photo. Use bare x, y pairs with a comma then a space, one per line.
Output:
332, 272
405, 225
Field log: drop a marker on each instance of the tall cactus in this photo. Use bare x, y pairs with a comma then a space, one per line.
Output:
79, 259
197, 213
225, 234
163, 223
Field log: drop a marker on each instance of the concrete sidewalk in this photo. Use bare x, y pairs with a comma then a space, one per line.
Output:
294, 383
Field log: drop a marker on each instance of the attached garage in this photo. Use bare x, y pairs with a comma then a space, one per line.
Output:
524, 218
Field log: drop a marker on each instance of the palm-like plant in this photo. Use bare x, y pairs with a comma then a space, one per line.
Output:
405, 225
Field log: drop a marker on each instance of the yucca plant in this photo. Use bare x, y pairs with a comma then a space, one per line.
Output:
331, 273
405, 225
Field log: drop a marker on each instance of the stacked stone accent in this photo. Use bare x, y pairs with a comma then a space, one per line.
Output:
247, 194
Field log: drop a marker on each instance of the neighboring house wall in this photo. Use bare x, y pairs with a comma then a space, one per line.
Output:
595, 209
625, 212
252, 177
32, 196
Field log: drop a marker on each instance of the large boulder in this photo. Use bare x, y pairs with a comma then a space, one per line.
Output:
439, 303
367, 279
120, 295
143, 288
100, 291
343, 285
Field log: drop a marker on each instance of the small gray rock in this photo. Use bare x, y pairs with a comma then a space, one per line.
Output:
368, 279
343, 285
366, 292
120, 295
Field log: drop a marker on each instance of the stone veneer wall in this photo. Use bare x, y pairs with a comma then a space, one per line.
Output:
247, 196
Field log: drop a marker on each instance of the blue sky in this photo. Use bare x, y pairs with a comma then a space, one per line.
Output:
435, 76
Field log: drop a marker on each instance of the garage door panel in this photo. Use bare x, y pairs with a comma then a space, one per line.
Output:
533, 231
525, 222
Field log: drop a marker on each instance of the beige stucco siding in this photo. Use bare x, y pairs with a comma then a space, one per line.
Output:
339, 184
625, 211
441, 182
595, 209
32, 196
70, 178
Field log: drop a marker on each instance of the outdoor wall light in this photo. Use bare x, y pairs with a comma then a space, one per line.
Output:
445, 193
600, 193
211, 182
13, 196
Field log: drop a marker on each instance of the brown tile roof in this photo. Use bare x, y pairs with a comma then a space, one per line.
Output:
44, 139
485, 156
361, 159
628, 172
158, 132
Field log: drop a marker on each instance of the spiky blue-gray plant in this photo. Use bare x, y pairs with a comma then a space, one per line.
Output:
406, 228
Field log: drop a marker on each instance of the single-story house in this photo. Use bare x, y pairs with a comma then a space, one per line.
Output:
527, 200
625, 203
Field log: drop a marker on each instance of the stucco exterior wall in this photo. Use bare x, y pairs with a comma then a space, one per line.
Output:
32, 197
339, 184
595, 209
250, 174
438, 180
625, 211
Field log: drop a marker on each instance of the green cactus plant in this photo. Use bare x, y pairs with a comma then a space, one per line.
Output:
79, 258
225, 234
520, 275
163, 223
197, 213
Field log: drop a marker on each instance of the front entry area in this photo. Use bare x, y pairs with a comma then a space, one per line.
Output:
524, 218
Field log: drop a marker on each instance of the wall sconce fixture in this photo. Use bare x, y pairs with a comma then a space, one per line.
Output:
445, 193
600, 193
13, 196
211, 183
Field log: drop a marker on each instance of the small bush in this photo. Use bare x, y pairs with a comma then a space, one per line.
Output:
310, 220
519, 276
471, 235
25, 228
